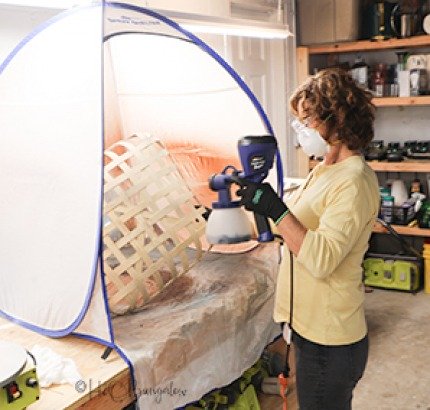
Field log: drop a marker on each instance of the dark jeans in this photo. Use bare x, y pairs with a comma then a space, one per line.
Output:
327, 375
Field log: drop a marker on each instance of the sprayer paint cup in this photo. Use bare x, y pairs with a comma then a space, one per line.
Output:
228, 226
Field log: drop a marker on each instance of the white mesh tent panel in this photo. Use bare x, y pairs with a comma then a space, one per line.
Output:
96, 323
51, 122
191, 100
184, 105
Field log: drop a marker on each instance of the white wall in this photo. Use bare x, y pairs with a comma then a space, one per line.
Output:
208, 7
400, 124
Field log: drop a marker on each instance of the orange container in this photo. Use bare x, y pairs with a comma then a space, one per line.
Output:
426, 255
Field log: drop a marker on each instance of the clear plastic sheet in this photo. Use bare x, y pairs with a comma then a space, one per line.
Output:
203, 331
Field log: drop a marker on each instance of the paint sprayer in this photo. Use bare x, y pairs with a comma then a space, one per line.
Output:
228, 223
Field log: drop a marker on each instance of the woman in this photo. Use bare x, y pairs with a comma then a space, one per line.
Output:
326, 226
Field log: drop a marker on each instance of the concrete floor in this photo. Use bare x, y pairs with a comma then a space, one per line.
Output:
397, 376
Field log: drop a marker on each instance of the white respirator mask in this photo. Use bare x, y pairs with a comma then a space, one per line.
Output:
310, 140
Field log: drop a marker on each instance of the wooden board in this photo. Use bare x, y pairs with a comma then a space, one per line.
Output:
403, 230
369, 45
421, 100
385, 166
106, 384
403, 166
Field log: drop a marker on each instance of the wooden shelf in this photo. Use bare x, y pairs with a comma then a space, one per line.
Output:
401, 101
400, 229
385, 166
368, 45
423, 41
403, 166
304, 52
403, 230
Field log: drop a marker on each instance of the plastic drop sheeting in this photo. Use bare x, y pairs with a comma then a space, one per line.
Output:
204, 331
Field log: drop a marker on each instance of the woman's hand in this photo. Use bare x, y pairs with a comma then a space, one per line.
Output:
263, 200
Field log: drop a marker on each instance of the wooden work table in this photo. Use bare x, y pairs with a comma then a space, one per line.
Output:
106, 384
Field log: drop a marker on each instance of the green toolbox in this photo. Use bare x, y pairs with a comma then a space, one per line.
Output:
382, 271
398, 271
238, 395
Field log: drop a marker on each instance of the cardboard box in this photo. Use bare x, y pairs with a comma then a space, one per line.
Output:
327, 21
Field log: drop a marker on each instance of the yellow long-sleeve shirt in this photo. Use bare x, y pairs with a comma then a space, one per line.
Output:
338, 205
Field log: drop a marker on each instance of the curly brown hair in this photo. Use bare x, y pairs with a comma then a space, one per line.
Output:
334, 97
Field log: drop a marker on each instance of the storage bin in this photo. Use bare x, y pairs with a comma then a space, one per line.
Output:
400, 215
326, 21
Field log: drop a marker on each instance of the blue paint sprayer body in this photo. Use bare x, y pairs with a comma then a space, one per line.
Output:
257, 154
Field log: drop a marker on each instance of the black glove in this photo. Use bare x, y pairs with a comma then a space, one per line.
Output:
263, 200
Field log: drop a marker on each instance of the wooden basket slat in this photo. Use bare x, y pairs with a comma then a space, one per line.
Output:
128, 171
147, 205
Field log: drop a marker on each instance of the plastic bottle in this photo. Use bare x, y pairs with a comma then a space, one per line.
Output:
387, 208
384, 191
380, 79
360, 72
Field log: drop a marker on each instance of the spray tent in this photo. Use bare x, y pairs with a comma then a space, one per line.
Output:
76, 93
